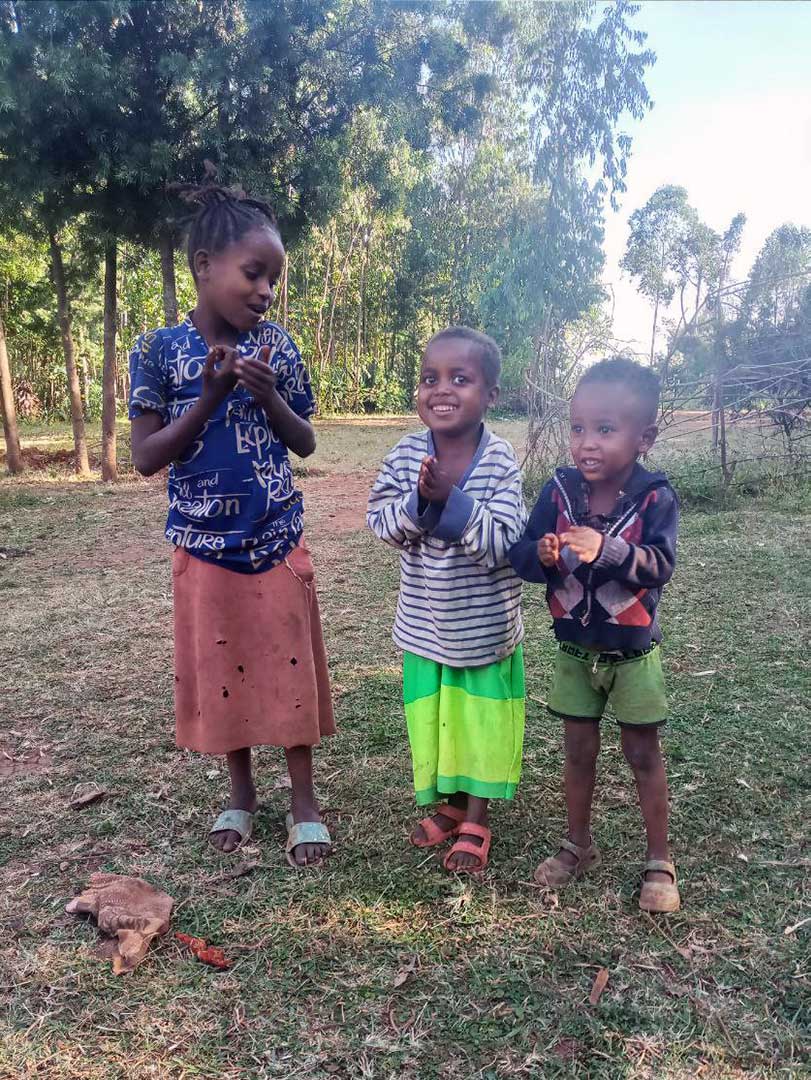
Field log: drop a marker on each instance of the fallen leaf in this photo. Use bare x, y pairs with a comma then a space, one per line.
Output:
404, 974
600, 983
208, 954
240, 870
282, 781
700, 674
85, 794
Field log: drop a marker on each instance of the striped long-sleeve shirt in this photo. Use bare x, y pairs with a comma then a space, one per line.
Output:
460, 600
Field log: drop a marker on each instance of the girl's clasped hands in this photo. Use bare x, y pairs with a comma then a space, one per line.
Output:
226, 368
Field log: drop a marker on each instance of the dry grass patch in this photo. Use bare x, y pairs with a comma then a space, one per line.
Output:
381, 965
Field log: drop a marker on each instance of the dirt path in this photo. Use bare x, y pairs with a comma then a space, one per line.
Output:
338, 501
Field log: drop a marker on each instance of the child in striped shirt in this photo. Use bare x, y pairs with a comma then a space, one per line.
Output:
450, 500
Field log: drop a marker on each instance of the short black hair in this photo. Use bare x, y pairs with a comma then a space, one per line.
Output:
221, 217
488, 352
641, 381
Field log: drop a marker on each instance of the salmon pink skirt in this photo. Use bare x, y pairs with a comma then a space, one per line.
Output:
250, 665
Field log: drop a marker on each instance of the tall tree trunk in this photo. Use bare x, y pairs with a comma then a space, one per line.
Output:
653, 332
14, 457
336, 294
166, 247
74, 392
322, 360
286, 291
281, 294
109, 469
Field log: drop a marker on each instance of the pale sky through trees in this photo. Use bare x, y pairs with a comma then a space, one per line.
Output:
731, 124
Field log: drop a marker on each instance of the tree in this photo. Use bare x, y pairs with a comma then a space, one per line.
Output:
14, 457
147, 93
54, 92
773, 334
8, 411
779, 279
657, 243
581, 74
428, 163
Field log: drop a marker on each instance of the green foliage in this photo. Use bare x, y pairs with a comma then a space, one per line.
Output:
426, 162
657, 243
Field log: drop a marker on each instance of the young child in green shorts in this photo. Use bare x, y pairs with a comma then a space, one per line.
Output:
602, 538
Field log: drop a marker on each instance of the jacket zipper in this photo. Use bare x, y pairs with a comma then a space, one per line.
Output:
585, 618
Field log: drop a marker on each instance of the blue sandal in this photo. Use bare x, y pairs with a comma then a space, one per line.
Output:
238, 821
305, 832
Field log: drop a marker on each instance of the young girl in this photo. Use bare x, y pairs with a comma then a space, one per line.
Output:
450, 499
220, 399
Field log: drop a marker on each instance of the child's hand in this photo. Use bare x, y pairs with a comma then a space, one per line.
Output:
586, 543
219, 375
257, 376
434, 485
548, 550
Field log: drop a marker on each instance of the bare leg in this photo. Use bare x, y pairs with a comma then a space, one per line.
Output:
304, 806
581, 741
243, 796
476, 814
644, 755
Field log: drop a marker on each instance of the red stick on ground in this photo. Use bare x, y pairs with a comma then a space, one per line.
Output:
209, 954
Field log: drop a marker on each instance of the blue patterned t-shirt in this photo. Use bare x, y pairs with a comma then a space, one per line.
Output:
231, 494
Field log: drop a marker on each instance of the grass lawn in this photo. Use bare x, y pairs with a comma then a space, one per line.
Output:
381, 965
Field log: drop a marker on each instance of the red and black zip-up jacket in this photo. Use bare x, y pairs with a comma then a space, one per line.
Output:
610, 603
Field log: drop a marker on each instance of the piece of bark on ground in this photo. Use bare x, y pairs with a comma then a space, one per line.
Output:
127, 909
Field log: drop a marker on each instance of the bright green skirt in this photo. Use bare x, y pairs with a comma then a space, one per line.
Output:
465, 726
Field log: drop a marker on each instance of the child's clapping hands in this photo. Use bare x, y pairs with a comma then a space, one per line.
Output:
258, 377
586, 543
548, 550
434, 485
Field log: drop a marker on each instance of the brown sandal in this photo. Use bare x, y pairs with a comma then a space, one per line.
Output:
435, 834
554, 873
659, 896
480, 851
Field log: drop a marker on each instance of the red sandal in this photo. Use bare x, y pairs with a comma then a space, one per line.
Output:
469, 828
434, 834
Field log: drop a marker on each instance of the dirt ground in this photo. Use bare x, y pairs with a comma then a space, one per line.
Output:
381, 965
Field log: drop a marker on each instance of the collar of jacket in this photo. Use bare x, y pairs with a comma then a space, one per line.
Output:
573, 486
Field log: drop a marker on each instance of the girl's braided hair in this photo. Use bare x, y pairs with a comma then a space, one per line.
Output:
221, 216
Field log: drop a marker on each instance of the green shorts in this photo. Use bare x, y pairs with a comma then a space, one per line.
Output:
632, 683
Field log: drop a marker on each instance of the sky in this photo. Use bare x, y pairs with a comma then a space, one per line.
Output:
731, 123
